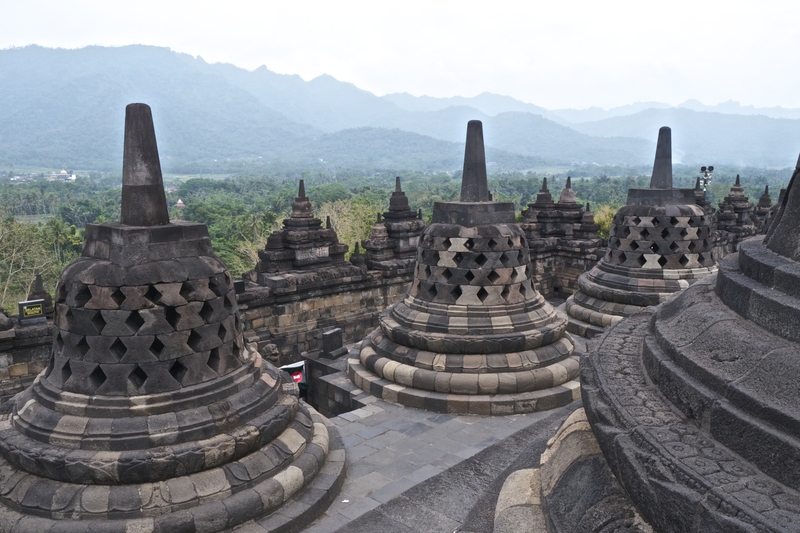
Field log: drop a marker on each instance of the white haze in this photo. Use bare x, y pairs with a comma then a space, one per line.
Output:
553, 54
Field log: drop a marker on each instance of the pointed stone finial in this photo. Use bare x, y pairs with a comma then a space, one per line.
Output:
491, 198
544, 185
474, 185
419, 213
662, 166
328, 222
397, 184
588, 208
697, 184
766, 189
301, 207
398, 202
782, 236
357, 249
738, 183
569, 183
38, 285
379, 219
144, 202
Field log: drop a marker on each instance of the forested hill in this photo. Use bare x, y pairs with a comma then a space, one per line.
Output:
65, 108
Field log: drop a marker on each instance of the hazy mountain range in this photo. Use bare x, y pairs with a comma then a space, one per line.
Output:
65, 108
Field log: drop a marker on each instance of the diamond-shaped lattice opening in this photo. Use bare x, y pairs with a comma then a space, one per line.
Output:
634, 245
446, 274
492, 244
523, 290
135, 321
674, 247
97, 378
625, 232
654, 248
61, 294
635, 221
662, 261
673, 221
152, 294
187, 291
194, 340
622, 257
683, 260
692, 246
432, 292
493, 276
505, 293
481, 260
66, 372
656, 222
216, 287
172, 316
469, 244
82, 296
684, 232
229, 301
178, 371
510, 242
446, 244
222, 332
665, 233
59, 342
98, 322
118, 349
456, 293
482, 294
156, 347
469, 276
82, 347
514, 276
427, 272
692, 221
641, 260
207, 312
118, 297
458, 258
214, 362
644, 233
137, 377
436, 258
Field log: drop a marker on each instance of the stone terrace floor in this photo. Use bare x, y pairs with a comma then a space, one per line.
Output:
415, 471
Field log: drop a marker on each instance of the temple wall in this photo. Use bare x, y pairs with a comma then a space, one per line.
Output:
557, 265
294, 322
24, 352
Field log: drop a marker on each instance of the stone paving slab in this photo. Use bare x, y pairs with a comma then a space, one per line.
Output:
412, 470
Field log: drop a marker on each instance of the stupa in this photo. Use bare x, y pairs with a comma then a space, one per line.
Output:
472, 335
696, 403
562, 238
392, 245
659, 244
762, 209
734, 214
153, 414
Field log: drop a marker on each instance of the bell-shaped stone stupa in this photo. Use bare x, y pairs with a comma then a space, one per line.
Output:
153, 415
696, 403
658, 245
472, 335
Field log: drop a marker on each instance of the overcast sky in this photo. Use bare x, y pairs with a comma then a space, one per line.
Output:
553, 53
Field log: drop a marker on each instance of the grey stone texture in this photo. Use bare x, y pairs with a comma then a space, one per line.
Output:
658, 245
153, 412
472, 335
474, 184
694, 403
735, 213
392, 245
562, 240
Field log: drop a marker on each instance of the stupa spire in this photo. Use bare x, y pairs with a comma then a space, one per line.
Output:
474, 185
662, 166
144, 202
